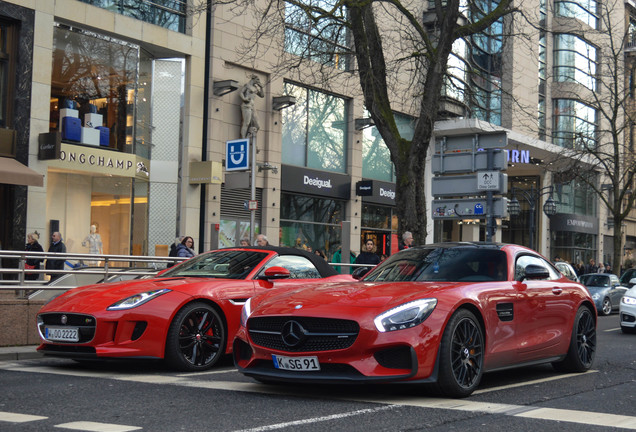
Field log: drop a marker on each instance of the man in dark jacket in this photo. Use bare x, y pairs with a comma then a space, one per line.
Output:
59, 247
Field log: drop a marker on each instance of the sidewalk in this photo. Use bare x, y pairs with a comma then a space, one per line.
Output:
19, 353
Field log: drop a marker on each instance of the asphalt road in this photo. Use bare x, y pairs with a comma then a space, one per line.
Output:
53, 394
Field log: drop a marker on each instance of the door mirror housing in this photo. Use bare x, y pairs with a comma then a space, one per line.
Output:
275, 272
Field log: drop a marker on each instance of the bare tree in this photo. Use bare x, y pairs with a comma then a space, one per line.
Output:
604, 161
381, 40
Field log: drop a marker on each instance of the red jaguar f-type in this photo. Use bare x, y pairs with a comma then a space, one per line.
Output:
188, 315
441, 314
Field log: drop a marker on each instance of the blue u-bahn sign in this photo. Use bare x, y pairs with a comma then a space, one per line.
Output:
237, 155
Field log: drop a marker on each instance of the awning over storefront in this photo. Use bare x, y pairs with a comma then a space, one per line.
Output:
13, 172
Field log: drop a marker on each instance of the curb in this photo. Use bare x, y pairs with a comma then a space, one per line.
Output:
19, 353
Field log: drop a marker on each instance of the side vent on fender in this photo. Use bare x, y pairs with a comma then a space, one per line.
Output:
505, 311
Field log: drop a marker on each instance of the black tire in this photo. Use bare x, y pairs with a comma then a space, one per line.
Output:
606, 307
582, 350
628, 330
461, 357
196, 338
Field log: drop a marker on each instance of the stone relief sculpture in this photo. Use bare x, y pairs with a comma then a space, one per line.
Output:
248, 93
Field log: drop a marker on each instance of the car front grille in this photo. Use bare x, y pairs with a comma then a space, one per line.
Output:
84, 323
294, 334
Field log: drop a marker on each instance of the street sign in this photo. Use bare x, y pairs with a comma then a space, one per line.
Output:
237, 155
467, 185
471, 208
468, 142
253, 205
454, 163
488, 181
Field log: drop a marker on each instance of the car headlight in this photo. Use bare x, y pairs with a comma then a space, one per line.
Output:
137, 300
246, 312
629, 300
405, 316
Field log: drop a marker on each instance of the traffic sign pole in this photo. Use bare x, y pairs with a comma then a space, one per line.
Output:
253, 185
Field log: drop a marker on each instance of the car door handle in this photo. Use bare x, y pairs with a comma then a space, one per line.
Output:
557, 290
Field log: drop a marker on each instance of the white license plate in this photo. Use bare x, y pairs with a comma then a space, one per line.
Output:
296, 363
64, 334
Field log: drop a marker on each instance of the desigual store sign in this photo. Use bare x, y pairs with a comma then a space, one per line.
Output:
99, 161
313, 182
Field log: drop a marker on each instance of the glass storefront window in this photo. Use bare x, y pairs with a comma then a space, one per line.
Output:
315, 130
574, 60
376, 159
378, 217
95, 74
574, 247
574, 124
170, 14
311, 221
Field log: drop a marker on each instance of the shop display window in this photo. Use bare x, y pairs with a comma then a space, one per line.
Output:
311, 221
94, 87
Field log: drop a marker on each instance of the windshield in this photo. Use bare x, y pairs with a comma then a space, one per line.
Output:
595, 280
443, 264
231, 264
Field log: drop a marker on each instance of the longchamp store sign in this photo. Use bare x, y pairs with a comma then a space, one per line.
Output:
98, 161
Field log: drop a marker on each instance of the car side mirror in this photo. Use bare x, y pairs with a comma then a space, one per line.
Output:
275, 273
360, 272
535, 272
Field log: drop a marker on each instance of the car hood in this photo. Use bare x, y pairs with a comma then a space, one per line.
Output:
100, 296
370, 295
596, 289
631, 292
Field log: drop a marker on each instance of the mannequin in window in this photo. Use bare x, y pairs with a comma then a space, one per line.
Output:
94, 243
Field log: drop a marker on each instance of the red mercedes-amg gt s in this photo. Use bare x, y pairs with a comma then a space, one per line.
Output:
441, 314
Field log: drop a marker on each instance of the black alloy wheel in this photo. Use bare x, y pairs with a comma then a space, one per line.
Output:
196, 338
461, 355
582, 350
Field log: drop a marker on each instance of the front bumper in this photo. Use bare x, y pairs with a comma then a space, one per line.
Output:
404, 355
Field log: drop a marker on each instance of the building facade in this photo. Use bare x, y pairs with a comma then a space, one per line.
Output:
140, 101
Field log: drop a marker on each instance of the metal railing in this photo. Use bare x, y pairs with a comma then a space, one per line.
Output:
13, 274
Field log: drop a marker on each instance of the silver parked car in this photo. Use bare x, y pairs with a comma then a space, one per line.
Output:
605, 289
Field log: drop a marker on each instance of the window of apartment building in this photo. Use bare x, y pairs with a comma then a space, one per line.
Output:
324, 41
574, 60
376, 159
576, 197
8, 53
583, 10
96, 73
457, 72
542, 122
486, 58
574, 124
315, 130
311, 221
170, 14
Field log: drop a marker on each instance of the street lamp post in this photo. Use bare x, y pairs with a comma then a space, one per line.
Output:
532, 196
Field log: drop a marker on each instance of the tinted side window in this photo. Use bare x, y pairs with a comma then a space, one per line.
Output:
299, 267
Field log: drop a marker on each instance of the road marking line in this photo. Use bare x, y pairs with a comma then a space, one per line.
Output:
214, 372
527, 411
96, 427
583, 417
526, 383
18, 418
612, 330
318, 419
